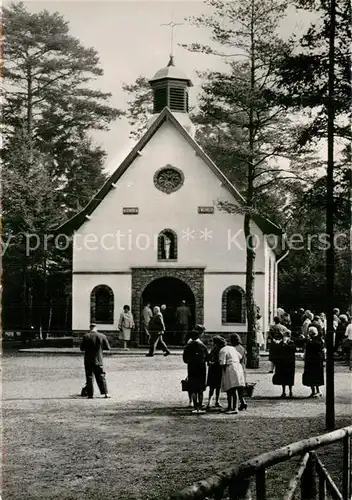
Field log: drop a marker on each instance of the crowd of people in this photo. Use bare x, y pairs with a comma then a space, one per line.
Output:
306, 331
223, 368
226, 371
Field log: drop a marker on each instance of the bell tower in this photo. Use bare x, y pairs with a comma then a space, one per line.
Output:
170, 89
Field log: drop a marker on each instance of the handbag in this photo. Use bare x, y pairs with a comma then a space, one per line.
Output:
185, 385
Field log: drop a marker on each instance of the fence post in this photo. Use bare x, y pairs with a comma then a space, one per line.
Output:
240, 489
308, 482
322, 488
346, 474
261, 484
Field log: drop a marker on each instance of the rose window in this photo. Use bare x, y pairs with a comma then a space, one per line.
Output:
168, 179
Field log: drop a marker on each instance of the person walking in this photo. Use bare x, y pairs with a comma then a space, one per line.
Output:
215, 371
147, 315
195, 355
93, 344
183, 317
126, 323
156, 330
285, 365
232, 375
313, 373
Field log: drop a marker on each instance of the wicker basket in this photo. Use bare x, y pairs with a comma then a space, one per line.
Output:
248, 390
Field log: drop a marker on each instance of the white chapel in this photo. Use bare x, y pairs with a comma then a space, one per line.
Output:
154, 232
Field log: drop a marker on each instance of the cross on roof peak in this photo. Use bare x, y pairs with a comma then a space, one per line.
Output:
172, 25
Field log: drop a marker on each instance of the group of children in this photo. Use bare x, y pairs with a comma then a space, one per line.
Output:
221, 369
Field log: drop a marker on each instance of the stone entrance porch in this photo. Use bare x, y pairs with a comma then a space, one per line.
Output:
192, 277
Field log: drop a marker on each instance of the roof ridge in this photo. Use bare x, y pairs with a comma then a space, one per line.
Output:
78, 219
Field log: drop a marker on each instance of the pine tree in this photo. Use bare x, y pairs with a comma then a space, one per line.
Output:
50, 163
303, 74
243, 98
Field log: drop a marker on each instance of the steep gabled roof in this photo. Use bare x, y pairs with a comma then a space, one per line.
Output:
77, 220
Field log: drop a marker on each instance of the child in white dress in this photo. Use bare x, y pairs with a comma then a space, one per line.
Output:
232, 375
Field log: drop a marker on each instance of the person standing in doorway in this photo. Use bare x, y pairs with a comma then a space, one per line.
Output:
147, 315
183, 316
156, 330
126, 323
93, 344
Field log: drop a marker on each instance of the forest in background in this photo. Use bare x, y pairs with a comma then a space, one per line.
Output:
269, 107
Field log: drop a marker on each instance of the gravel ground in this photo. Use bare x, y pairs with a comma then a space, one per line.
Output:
143, 443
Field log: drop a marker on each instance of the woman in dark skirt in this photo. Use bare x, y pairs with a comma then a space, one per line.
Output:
313, 374
195, 355
285, 365
215, 371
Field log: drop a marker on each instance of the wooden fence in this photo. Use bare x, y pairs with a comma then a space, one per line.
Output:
311, 480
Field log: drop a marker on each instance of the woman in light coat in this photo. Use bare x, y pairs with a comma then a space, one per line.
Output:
232, 375
126, 323
237, 342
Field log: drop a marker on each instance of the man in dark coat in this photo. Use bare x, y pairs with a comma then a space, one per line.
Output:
183, 317
277, 332
93, 344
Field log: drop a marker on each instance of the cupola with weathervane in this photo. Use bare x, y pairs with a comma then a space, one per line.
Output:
170, 89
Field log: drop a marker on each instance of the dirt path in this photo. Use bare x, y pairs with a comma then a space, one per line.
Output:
143, 443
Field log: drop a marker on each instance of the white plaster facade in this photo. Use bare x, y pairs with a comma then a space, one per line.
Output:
109, 243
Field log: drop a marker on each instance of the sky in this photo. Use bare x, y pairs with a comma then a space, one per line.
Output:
130, 41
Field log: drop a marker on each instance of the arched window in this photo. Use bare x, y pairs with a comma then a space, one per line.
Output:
102, 305
167, 245
233, 305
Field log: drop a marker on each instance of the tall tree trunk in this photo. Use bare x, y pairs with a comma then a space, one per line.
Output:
330, 254
50, 318
30, 112
25, 323
252, 347
44, 310
67, 305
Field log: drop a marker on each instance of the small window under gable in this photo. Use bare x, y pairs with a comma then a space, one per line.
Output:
102, 305
233, 305
167, 245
